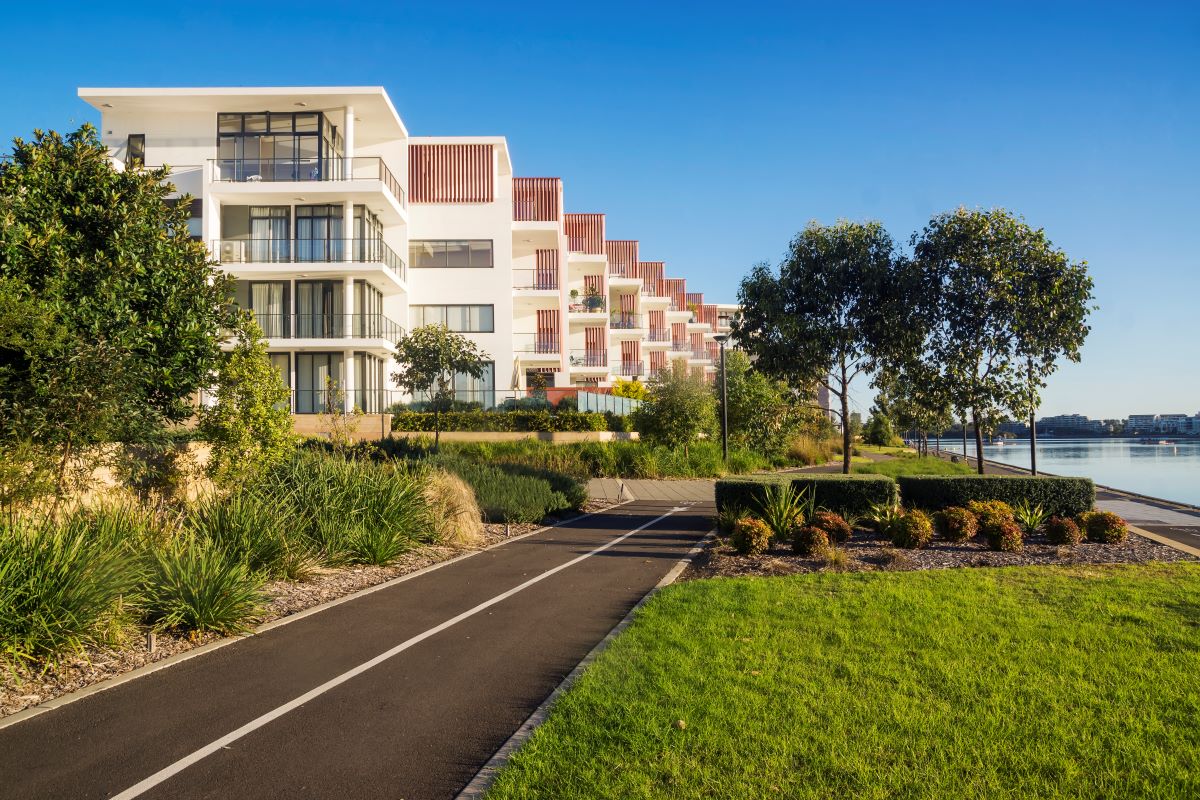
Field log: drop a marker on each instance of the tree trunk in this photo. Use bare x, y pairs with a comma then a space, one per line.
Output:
1033, 443
964, 432
845, 425
437, 426
978, 443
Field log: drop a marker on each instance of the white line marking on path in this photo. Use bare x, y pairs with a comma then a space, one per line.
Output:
163, 774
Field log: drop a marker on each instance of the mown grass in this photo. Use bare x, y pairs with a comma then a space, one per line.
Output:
885, 450
1023, 682
913, 465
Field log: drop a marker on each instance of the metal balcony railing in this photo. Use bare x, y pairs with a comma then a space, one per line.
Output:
699, 353
625, 321
631, 369
298, 251
681, 345
274, 170
622, 270
536, 343
588, 304
658, 336
589, 358
346, 326
535, 279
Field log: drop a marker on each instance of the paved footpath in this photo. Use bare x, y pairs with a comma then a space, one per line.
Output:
401, 693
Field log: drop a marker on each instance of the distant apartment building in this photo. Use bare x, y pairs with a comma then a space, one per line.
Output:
1072, 422
342, 231
1141, 423
1164, 423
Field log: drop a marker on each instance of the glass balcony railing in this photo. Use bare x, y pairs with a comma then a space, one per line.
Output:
297, 251
275, 170
328, 326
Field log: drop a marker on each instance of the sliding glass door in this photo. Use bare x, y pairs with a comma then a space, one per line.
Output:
316, 373
319, 310
268, 301
269, 233
319, 233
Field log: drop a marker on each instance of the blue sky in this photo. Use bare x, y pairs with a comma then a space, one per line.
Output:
712, 133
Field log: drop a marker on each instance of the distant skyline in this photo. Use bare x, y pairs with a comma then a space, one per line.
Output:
712, 133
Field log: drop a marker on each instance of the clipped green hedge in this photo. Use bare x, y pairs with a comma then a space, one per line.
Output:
845, 494
524, 421
1064, 497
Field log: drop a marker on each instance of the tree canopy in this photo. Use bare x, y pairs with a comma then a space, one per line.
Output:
428, 358
678, 409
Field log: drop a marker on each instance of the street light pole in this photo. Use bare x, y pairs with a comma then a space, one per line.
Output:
724, 401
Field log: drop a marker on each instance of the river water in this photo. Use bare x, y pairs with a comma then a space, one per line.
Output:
1169, 471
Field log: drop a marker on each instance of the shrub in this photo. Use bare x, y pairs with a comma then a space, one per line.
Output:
257, 529
781, 507
1005, 535
882, 516
751, 537
806, 451
836, 559
195, 586
833, 524
1059, 496
846, 494
1030, 516
506, 495
986, 510
912, 531
60, 587
541, 420
727, 517
453, 510
1063, 530
1105, 527
956, 524
809, 540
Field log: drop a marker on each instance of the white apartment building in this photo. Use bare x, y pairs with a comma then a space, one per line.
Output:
342, 231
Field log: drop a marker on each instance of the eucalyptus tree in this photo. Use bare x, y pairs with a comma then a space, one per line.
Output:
1001, 305
428, 358
828, 313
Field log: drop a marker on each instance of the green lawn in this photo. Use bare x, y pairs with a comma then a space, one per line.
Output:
1019, 682
886, 450
912, 465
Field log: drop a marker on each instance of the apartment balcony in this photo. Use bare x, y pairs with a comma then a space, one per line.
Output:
699, 356
541, 348
623, 276
329, 331
536, 282
681, 347
659, 340
699, 327
537, 210
593, 362
631, 369
370, 259
627, 326
654, 301
590, 309
264, 180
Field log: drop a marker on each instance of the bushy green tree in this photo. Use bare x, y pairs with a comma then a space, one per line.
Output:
633, 389
249, 424
765, 414
878, 430
828, 313
678, 409
428, 358
110, 314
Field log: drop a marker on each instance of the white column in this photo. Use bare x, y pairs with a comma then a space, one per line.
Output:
348, 141
348, 305
348, 230
348, 381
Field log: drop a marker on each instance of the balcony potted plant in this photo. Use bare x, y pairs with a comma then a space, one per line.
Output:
592, 299
575, 304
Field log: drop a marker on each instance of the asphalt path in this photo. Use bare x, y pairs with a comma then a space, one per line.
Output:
401, 693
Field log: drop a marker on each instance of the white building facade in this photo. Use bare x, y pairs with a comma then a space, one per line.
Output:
342, 232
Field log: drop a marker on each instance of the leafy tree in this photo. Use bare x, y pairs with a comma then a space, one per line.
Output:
428, 359
679, 407
110, 313
878, 430
249, 425
765, 415
1001, 305
633, 389
828, 313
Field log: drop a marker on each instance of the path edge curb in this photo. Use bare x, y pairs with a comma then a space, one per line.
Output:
178, 658
1164, 540
478, 786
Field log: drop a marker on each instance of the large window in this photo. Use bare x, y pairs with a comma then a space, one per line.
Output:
278, 146
480, 390
135, 150
460, 319
435, 253
268, 301
315, 373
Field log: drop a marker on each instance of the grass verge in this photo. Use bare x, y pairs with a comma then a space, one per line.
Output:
1022, 682
913, 465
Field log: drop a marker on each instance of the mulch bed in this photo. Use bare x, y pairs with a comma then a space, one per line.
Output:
21, 688
868, 551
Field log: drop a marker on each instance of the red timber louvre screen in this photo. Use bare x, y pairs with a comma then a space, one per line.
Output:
658, 361
594, 348
451, 173
697, 345
631, 357
622, 257
545, 275
658, 320
679, 336
593, 284
546, 340
675, 290
651, 273
628, 303
585, 233
537, 199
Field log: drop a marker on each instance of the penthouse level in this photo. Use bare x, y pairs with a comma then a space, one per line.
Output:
342, 231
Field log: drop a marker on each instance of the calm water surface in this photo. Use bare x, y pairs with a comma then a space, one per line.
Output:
1170, 471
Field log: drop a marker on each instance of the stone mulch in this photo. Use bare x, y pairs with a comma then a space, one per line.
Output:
21, 688
868, 551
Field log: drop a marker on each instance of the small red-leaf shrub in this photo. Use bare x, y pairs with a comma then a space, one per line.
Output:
1105, 527
751, 537
912, 531
810, 540
833, 524
1063, 530
985, 509
1004, 535
956, 524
